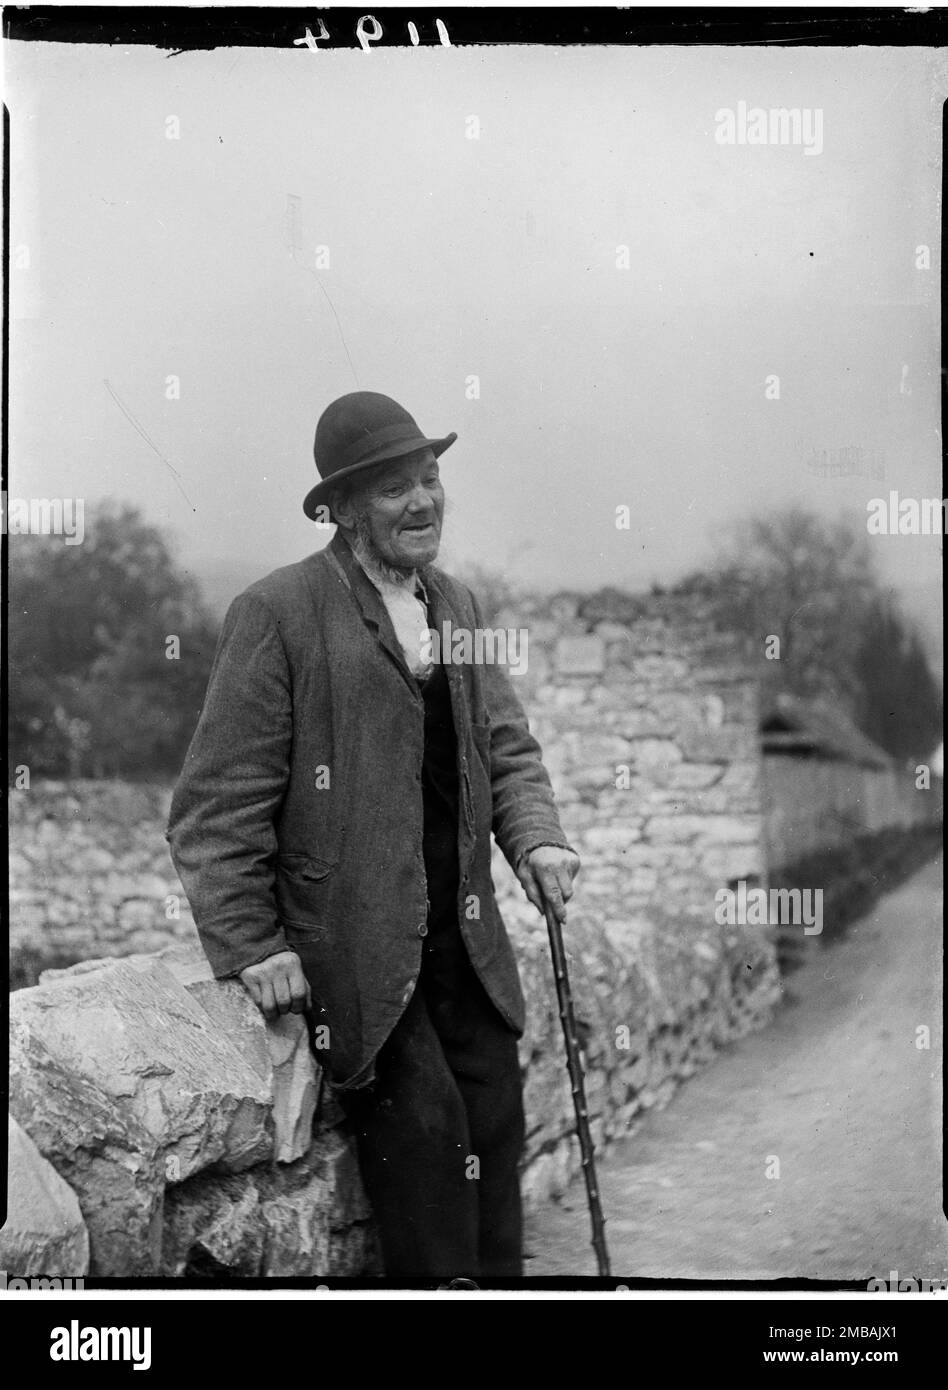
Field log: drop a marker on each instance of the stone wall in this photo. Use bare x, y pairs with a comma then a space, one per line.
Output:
90, 875
186, 1127
649, 728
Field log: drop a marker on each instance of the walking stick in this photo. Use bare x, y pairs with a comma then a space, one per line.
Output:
575, 1067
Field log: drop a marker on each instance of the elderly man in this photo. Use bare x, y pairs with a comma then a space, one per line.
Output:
332, 830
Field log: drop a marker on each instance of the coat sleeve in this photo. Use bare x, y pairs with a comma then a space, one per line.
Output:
221, 829
524, 808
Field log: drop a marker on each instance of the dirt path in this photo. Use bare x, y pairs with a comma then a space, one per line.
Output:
836, 1089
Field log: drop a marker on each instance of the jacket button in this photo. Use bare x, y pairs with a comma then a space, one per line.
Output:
422, 929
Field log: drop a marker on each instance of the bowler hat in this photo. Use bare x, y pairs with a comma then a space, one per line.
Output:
358, 430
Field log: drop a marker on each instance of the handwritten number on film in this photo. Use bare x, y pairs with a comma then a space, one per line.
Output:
366, 35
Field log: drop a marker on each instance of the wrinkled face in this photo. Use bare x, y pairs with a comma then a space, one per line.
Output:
399, 511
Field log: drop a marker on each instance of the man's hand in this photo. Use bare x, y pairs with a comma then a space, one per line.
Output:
277, 985
547, 875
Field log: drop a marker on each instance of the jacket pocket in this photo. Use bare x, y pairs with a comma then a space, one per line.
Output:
302, 890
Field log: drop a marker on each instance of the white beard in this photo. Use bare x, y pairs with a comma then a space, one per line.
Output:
367, 554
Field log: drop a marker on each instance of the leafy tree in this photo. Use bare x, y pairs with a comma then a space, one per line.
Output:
811, 583
900, 705
92, 627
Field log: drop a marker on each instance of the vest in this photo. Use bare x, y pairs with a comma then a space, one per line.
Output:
440, 794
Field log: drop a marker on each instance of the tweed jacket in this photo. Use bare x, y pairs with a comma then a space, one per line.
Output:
297, 819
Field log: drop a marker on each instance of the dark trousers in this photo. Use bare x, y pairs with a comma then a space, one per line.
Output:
441, 1128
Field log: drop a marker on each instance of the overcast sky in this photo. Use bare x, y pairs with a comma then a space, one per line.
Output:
495, 257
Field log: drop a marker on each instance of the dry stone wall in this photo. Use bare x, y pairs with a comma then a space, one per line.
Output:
183, 1124
90, 875
649, 730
